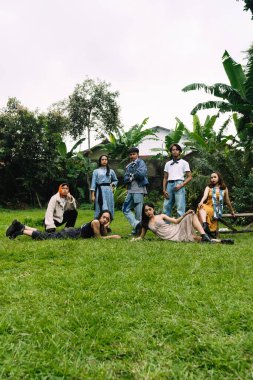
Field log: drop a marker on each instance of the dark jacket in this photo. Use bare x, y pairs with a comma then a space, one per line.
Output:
137, 171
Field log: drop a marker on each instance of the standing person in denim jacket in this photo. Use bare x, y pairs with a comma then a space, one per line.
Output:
135, 178
104, 181
174, 181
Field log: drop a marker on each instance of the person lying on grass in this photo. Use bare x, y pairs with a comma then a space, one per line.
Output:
98, 228
181, 229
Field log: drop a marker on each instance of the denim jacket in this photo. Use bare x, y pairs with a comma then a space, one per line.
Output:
136, 170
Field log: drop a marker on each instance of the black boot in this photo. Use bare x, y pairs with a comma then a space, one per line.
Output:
206, 228
16, 233
14, 227
227, 241
205, 239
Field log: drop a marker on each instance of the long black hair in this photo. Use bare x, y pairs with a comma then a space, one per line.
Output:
107, 166
144, 217
102, 212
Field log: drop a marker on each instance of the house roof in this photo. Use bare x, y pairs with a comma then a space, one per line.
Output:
164, 129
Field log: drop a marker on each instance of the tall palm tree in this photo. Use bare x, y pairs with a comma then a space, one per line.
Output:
236, 97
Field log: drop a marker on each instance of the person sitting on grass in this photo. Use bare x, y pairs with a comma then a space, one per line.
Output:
210, 207
97, 228
181, 229
61, 209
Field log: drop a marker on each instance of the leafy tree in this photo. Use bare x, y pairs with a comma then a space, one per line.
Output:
20, 139
238, 97
248, 6
230, 162
243, 194
93, 107
74, 167
120, 142
28, 153
204, 137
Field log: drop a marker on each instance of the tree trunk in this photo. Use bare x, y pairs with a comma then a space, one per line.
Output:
38, 200
88, 133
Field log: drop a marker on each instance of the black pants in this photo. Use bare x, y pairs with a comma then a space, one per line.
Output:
69, 217
69, 233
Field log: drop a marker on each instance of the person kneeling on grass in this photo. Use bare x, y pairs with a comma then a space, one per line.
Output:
180, 229
61, 210
98, 228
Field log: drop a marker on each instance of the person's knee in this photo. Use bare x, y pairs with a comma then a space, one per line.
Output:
125, 208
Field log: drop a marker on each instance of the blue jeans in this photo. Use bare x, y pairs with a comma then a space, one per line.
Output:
133, 201
175, 197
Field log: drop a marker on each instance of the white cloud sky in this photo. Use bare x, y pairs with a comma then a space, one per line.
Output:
147, 49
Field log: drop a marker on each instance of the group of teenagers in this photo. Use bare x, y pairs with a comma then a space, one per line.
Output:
62, 209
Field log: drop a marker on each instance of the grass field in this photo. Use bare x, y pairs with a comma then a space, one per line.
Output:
115, 309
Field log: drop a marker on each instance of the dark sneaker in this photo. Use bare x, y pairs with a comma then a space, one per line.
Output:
206, 239
15, 234
15, 226
227, 241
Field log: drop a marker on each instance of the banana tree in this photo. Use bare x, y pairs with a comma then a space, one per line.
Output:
236, 97
204, 137
175, 135
120, 142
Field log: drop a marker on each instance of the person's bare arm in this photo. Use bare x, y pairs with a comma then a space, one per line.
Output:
174, 220
204, 198
143, 233
96, 228
92, 196
165, 179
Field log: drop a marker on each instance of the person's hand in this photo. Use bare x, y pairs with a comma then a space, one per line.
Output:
200, 204
135, 239
166, 194
178, 187
112, 187
116, 236
93, 198
190, 212
131, 177
233, 214
51, 230
69, 197
107, 225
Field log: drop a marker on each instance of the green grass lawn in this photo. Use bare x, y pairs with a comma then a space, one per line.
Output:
116, 309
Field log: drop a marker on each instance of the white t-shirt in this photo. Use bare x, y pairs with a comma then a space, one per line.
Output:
177, 170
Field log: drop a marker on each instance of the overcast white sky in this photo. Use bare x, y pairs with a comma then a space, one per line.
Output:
147, 49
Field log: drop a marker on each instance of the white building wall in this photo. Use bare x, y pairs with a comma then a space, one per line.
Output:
146, 146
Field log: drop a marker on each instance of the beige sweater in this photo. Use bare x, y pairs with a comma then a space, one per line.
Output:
56, 208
